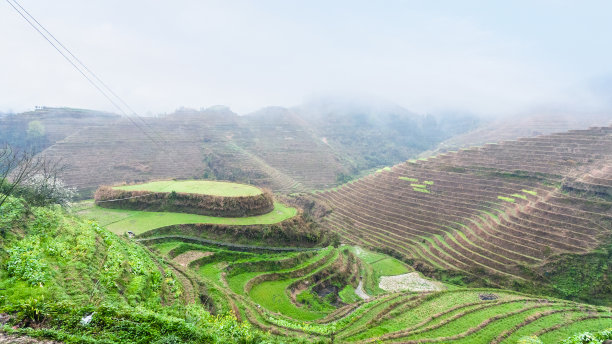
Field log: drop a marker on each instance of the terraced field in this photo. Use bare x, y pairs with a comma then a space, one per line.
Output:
495, 209
276, 152
120, 220
299, 294
284, 150
207, 187
497, 212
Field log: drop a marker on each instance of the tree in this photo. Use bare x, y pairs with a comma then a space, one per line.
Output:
32, 176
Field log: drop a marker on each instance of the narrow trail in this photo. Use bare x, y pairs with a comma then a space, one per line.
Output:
189, 295
197, 240
360, 292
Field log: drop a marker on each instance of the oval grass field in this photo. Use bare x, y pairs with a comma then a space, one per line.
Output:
206, 187
121, 220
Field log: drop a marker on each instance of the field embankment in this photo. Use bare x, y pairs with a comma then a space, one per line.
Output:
199, 197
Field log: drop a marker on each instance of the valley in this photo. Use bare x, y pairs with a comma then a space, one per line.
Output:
485, 244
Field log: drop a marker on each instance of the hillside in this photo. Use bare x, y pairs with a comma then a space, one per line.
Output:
58, 270
282, 149
369, 133
39, 129
520, 126
339, 295
531, 214
96, 287
160, 272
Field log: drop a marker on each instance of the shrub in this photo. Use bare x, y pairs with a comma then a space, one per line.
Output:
10, 212
589, 338
185, 202
25, 261
32, 310
40, 190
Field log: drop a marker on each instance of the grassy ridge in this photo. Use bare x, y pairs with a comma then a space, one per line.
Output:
120, 221
55, 269
206, 187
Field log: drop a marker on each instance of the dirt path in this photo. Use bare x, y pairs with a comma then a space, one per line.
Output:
360, 292
184, 259
16, 339
189, 291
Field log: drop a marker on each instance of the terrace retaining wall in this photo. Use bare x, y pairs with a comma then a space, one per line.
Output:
200, 204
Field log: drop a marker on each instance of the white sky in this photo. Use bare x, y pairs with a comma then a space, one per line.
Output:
488, 57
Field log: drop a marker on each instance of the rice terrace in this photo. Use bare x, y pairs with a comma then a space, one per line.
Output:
378, 172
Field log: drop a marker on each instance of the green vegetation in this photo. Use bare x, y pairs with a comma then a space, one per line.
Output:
53, 277
342, 178
517, 195
206, 187
377, 265
272, 296
423, 190
408, 179
428, 182
120, 220
507, 199
56, 269
581, 277
588, 337
347, 295
531, 192
389, 267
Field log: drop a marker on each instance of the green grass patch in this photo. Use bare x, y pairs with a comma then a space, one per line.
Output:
544, 322
402, 317
418, 185
517, 195
531, 192
409, 179
207, 187
507, 199
211, 271
121, 220
389, 267
428, 182
347, 295
591, 325
466, 322
271, 295
165, 247
376, 265
420, 190
368, 256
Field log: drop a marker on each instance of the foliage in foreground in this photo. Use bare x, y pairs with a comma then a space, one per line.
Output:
589, 338
56, 269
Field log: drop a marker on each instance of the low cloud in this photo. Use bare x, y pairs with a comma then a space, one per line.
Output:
159, 56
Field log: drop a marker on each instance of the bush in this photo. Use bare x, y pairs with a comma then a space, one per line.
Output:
10, 212
25, 262
589, 338
39, 190
32, 310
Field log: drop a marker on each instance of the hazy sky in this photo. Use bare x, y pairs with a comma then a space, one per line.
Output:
482, 56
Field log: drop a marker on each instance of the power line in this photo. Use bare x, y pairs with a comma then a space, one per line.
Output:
105, 86
100, 87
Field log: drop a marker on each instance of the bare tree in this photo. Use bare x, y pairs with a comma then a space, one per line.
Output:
19, 168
